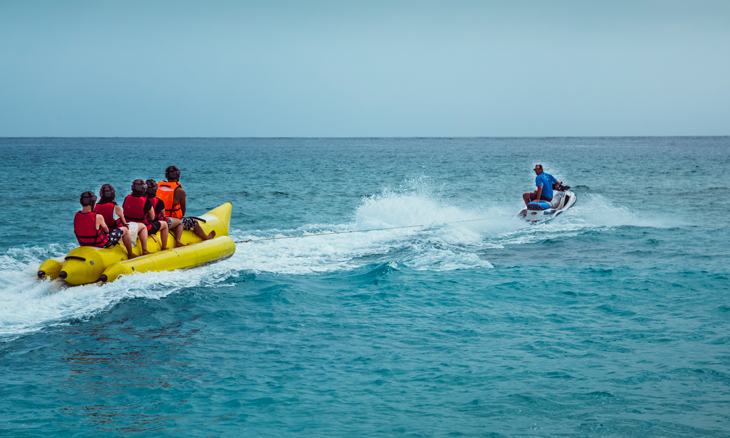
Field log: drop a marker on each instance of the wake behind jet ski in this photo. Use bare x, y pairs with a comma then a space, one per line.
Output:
549, 199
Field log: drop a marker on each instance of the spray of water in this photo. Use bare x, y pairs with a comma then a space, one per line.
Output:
27, 305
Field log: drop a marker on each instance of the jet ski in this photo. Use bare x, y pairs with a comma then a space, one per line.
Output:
540, 211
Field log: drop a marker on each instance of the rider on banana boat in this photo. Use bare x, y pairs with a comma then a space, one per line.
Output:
173, 196
137, 208
91, 229
160, 221
109, 209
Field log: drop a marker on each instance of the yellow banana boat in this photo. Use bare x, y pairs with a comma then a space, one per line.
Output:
88, 264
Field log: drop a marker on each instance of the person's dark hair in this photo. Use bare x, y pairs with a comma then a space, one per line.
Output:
138, 187
106, 194
151, 188
172, 173
88, 198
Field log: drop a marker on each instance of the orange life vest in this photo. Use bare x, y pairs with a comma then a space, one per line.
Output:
166, 192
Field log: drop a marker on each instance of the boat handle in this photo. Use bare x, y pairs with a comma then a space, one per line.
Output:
75, 258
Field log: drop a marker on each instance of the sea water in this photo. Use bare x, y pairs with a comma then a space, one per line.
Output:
611, 320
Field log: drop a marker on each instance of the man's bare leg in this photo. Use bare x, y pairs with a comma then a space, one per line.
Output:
526, 198
177, 226
200, 233
163, 234
142, 233
127, 241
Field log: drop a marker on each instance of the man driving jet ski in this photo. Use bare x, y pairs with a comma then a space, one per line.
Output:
544, 182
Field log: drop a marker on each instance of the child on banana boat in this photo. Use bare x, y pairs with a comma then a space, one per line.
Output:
109, 209
149, 209
137, 208
159, 211
91, 230
154, 225
173, 195
114, 214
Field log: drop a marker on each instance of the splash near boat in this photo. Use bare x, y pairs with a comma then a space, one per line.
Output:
87, 264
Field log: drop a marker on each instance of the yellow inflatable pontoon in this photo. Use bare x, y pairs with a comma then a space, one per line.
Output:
87, 264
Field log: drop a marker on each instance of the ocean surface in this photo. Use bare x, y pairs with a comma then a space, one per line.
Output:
613, 320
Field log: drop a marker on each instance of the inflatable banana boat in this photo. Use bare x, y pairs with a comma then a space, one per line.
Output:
88, 264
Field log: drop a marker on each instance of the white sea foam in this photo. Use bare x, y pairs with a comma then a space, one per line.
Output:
414, 224
592, 212
27, 304
451, 238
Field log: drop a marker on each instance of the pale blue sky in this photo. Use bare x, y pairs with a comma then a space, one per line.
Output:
364, 68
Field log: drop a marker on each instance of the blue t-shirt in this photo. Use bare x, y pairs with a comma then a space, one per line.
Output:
546, 181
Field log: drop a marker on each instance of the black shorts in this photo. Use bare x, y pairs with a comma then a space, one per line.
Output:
155, 227
188, 223
114, 237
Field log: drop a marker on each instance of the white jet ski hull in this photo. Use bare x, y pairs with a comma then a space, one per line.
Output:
567, 200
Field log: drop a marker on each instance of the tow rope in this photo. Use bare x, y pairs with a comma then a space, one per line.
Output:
357, 231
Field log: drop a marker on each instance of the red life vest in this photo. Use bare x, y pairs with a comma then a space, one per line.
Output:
166, 192
161, 217
134, 210
86, 232
107, 211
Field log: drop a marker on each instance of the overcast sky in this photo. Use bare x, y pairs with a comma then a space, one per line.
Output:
364, 68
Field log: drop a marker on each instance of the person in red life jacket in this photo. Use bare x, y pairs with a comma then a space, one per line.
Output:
137, 208
109, 209
160, 221
173, 195
91, 230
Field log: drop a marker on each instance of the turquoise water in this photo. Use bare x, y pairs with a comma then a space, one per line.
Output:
611, 320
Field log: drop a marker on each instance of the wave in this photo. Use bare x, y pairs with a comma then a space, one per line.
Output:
450, 237
408, 226
590, 214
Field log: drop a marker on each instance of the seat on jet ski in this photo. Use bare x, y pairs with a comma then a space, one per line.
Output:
539, 205
555, 203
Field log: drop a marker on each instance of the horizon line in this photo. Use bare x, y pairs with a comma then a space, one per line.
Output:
370, 137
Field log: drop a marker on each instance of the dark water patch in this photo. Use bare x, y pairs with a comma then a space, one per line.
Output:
558, 375
702, 374
593, 396
601, 272
509, 286
606, 346
225, 315
558, 319
641, 254
274, 294
377, 274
